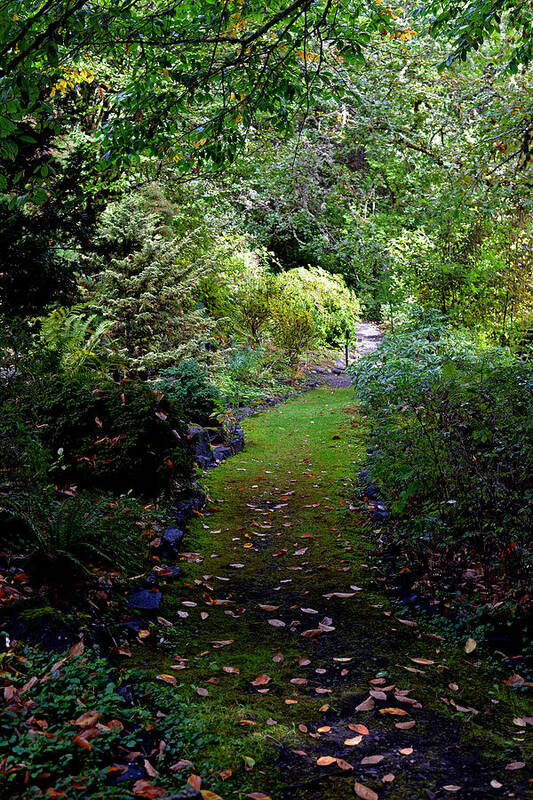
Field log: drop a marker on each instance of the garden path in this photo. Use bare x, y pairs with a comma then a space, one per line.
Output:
311, 685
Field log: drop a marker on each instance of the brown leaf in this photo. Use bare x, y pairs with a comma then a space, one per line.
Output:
388, 778
144, 788
277, 657
515, 765
82, 742
426, 661
406, 751
299, 681
364, 792
207, 795
150, 771
88, 719
325, 761
261, 680
195, 781
344, 765
266, 607
470, 645
179, 765
231, 670
225, 774
76, 649
451, 787
366, 705
324, 729
202, 692
276, 623
404, 726
372, 759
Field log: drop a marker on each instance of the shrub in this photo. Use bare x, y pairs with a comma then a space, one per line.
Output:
453, 453
147, 287
187, 386
334, 307
61, 538
98, 433
294, 327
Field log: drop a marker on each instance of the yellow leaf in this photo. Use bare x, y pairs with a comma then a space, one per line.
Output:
470, 645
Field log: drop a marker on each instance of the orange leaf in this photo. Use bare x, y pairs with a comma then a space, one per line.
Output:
398, 712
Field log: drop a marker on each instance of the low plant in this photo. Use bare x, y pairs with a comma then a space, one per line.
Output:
187, 386
452, 450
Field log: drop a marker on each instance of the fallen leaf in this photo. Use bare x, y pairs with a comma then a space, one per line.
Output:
406, 751
179, 765
167, 679
195, 781
366, 705
344, 765
205, 793
496, 784
515, 765
388, 778
277, 657
259, 796
364, 792
261, 680
372, 759
398, 712
267, 607
470, 645
325, 761
249, 763
276, 623
144, 788
404, 726
359, 728
231, 670
425, 661
202, 692
88, 719
354, 741
451, 787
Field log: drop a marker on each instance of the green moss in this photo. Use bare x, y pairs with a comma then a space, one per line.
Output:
298, 468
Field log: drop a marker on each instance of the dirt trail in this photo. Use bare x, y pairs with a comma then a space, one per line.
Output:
285, 644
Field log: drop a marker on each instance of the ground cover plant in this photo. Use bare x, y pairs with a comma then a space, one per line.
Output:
227, 563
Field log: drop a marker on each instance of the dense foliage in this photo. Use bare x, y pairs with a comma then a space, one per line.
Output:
197, 199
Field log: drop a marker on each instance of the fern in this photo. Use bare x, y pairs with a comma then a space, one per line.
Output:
77, 339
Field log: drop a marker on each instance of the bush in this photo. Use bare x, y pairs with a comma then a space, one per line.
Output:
187, 386
294, 327
62, 538
452, 426
334, 307
146, 288
97, 433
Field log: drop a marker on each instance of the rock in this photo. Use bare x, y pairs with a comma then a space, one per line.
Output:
144, 599
126, 692
189, 501
134, 772
222, 452
170, 542
201, 447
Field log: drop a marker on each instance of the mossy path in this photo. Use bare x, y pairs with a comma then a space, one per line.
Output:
276, 664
